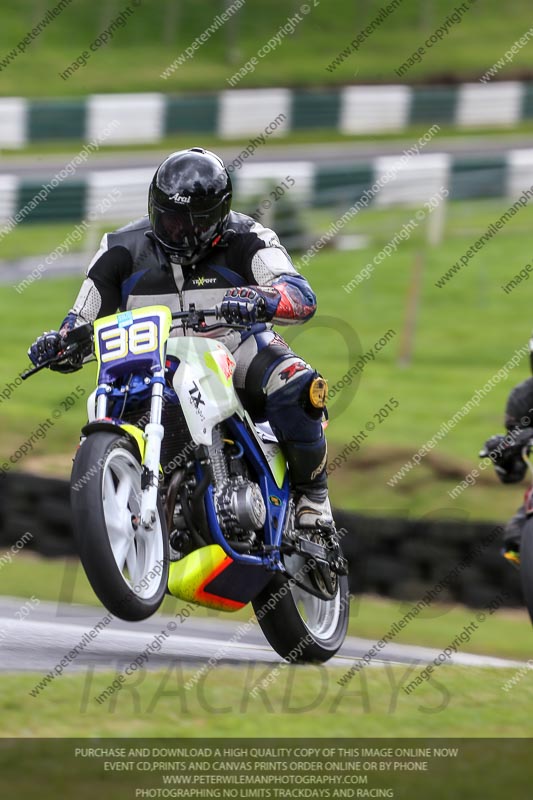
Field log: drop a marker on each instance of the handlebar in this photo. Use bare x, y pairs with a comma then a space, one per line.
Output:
194, 319
207, 312
78, 338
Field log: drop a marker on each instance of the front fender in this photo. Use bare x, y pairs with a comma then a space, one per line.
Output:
134, 434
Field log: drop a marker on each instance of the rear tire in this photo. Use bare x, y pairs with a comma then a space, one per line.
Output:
127, 566
301, 627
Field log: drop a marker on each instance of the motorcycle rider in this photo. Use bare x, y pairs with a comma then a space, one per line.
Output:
192, 248
505, 451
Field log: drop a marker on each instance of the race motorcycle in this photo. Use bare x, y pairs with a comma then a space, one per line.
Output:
174, 488
524, 560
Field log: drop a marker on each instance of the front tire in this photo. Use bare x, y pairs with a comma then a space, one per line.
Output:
127, 566
300, 627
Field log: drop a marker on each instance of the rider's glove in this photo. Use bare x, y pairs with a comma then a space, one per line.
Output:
45, 348
505, 453
501, 449
494, 448
246, 305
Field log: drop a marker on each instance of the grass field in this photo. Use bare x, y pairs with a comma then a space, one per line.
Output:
459, 702
38, 239
154, 35
465, 332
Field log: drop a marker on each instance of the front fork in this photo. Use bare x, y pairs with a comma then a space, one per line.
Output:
153, 436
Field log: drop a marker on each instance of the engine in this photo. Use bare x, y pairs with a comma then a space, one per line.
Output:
238, 500
240, 506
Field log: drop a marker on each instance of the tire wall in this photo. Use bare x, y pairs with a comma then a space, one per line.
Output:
394, 557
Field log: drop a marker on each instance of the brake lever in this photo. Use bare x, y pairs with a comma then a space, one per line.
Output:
39, 367
196, 321
34, 370
235, 326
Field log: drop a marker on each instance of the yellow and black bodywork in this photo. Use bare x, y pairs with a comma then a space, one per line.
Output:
209, 577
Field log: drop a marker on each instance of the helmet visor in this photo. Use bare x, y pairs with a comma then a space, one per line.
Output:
184, 231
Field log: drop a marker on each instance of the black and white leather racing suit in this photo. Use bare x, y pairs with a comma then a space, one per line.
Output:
132, 269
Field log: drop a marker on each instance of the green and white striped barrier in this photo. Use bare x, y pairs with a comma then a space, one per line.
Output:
238, 113
407, 179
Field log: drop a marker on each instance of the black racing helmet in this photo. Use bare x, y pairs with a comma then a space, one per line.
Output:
189, 202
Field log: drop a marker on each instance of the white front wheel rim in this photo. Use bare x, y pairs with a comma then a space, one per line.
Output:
138, 552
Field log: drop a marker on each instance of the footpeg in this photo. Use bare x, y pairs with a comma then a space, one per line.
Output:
330, 556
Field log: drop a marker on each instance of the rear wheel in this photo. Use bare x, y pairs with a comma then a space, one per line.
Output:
127, 565
298, 624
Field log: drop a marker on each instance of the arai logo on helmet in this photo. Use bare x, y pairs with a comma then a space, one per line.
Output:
179, 198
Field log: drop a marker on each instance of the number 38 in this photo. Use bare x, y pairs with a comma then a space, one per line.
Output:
141, 337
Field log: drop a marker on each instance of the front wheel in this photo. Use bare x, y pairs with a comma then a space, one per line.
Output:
300, 626
526, 564
127, 565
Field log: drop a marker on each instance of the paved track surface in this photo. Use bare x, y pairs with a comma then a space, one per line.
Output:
51, 630
45, 166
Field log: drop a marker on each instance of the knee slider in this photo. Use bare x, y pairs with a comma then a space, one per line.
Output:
318, 392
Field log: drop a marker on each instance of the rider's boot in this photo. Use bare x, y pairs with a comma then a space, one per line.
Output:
313, 510
307, 468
